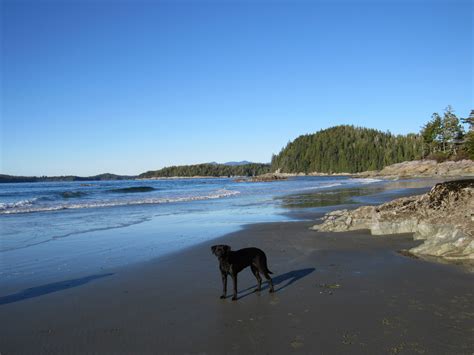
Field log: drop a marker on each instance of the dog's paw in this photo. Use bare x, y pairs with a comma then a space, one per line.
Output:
222, 297
271, 290
256, 290
234, 298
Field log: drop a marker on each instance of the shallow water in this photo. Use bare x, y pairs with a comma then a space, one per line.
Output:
49, 230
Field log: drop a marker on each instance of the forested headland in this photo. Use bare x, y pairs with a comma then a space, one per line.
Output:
214, 170
346, 149
355, 149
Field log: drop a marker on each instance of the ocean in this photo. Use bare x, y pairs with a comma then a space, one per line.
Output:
60, 230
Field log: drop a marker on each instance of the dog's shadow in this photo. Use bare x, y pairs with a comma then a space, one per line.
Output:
48, 288
280, 282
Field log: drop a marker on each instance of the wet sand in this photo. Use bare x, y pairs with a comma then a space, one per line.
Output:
335, 294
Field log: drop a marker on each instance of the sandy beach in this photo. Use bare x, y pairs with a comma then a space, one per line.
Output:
335, 293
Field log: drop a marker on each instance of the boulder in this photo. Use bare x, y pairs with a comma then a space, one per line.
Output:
443, 218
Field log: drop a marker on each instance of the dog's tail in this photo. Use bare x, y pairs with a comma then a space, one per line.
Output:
267, 269
265, 265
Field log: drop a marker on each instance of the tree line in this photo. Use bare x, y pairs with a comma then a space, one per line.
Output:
215, 170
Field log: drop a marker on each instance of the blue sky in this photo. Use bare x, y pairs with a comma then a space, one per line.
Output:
128, 86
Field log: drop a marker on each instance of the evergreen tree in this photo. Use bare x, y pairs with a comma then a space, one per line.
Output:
430, 133
451, 130
469, 137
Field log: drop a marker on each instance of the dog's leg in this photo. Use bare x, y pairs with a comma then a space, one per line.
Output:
224, 285
269, 281
234, 279
257, 276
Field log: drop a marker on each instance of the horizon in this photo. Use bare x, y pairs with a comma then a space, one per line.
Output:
135, 175
242, 162
128, 87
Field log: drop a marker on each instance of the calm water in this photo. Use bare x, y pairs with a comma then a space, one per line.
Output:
60, 230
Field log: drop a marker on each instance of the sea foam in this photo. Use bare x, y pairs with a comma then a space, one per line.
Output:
28, 206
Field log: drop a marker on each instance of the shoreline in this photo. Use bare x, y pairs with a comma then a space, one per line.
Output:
127, 239
404, 170
412, 169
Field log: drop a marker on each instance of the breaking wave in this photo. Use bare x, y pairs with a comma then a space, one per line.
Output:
17, 204
28, 206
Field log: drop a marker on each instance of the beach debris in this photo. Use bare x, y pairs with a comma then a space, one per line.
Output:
412, 347
297, 342
348, 339
274, 302
328, 288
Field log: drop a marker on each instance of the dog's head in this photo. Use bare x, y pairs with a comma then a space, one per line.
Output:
220, 250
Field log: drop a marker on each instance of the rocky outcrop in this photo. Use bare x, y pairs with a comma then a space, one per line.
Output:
424, 168
443, 218
265, 178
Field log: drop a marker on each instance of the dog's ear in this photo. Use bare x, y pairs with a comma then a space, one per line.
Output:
226, 248
213, 248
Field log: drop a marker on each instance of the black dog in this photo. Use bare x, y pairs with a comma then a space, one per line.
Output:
232, 262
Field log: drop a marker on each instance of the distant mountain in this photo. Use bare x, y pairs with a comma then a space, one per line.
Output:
237, 163
10, 178
232, 163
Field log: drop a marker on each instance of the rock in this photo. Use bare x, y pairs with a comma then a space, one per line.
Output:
443, 218
265, 178
424, 168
